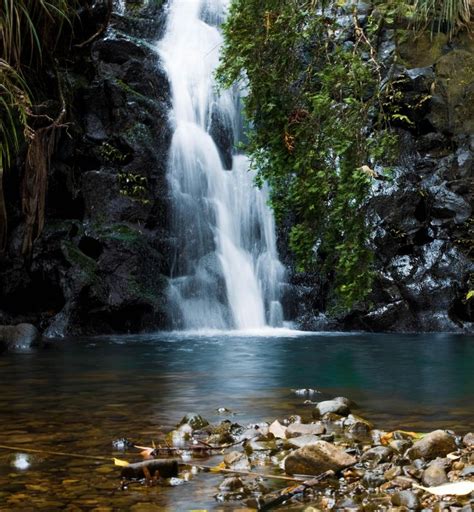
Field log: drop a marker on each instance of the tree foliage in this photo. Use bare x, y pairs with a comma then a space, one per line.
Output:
30, 31
315, 106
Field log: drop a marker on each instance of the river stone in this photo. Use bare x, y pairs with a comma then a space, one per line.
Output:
236, 460
359, 428
373, 478
377, 454
195, 421
317, 458
339, 405
232, 483
434, 474
296, 429
435, 444
18, 337
305, 440
467, 471
406, 499
468, 439
400, 445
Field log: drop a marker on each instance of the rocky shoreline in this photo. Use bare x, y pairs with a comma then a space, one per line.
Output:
338, 461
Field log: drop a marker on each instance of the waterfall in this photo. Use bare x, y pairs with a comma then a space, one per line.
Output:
226, 273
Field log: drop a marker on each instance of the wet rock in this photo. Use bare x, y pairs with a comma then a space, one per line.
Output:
434, 474
377, 455
467, 471
400, 445
296, 429
406, 499
435, 444
195, 421
236, 460
278, 430
373, 478
304, 440
18, 337
357, 427
338, 406
404, 482
393, 472
468, 439
317, 458
231, 483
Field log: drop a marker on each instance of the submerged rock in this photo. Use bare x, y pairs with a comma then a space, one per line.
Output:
195, 421
18, 337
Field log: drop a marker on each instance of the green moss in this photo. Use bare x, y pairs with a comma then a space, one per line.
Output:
144, 292
121, 233
420, 50
77, 258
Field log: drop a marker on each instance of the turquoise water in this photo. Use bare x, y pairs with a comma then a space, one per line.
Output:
77, 396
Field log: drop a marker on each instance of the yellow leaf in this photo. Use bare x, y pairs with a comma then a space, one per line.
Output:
470, 295
217, 468
121, 463
460, 488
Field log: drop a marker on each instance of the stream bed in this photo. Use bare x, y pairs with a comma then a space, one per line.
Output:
78, 396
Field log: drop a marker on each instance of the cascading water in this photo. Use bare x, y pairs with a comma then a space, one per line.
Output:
226, 273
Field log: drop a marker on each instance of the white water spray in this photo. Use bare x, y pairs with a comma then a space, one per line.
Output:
226, 273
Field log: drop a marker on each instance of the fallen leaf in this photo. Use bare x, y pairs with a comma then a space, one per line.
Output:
453, 456
121, 463
147, 452
218, 468
386, 438
460, 488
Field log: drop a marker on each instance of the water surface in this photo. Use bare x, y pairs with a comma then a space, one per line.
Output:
80, 395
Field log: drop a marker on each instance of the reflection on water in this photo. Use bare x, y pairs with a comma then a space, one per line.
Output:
79, 396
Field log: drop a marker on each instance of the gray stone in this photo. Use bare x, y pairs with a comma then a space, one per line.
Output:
468, 439
406, 499
231, 483
295, 429
467, 471
18, 337
236, 460
301, 441
373, 479
338, 405
317, 458
434, 474
435, 444
377, 454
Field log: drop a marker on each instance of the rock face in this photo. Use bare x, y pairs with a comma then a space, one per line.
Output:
100, 264
317, 458
421, 216
18, 337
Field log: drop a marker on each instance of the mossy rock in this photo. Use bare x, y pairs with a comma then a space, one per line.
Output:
421, 50
453, 93
121, 233
77, 258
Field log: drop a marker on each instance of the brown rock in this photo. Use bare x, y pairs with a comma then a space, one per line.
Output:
434, 474
317, 458
435, 444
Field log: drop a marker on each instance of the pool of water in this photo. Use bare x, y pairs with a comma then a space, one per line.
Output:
79, 395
